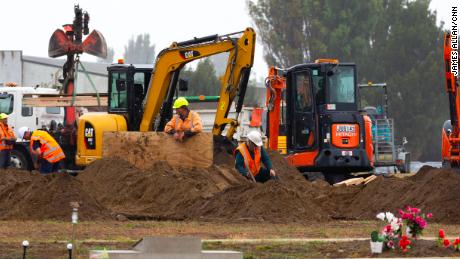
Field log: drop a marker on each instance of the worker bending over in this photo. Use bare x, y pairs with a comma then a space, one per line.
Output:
185, 123
44, 146
7, 139
248, 157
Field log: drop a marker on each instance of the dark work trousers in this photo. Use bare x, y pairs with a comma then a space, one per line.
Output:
5, 157
263, 175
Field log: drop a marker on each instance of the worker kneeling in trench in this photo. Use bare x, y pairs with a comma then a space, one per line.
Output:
44, 146
248, 157
185, 123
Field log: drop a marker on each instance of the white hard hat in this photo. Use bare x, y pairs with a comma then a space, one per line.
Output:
255, 137
21, 131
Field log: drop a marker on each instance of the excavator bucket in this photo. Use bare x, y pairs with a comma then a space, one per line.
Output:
60, 45
95, 44
144, 149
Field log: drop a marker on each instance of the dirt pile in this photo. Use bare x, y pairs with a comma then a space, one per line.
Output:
163, 192
158, 192
111, 187
25, 195
289, 199
432, 190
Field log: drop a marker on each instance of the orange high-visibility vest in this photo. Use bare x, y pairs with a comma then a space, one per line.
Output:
50, 149
192, 123
253, 165
6, 132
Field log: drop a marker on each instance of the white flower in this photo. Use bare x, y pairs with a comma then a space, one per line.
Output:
395, 224
389, 216
381, 216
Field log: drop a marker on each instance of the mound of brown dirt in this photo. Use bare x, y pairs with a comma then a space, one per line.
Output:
273, 201
432, 190
291, 198
25, 195
154, 193
110, 187
163, 192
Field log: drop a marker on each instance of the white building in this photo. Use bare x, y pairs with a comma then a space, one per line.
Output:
46, 72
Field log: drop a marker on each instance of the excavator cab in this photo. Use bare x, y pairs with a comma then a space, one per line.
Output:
325, 131
301, 111
128, 84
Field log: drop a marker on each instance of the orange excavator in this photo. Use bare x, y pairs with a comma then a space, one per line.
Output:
450, 149
314, 119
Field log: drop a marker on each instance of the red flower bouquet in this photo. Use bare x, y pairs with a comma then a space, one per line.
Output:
415, 220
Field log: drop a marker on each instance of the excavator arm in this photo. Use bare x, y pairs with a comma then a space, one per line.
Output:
275, 83
108, 135
234, 82
451, 147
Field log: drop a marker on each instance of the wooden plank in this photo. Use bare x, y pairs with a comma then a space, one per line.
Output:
64, 101
353, 181
143, 149
369, 179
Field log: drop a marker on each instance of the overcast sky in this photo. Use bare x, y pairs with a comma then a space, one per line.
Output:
28, 25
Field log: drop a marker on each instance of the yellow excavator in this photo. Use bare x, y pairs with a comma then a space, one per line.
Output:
140, 98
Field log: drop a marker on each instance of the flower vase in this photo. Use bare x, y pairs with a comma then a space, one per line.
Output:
410, 234
376, 247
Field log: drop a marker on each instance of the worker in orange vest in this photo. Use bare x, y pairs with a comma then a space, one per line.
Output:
185, 123
44, 146
7, 139
248, 158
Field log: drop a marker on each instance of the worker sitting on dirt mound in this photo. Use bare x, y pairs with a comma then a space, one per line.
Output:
248, 157
185, 123
7, 139
44, 146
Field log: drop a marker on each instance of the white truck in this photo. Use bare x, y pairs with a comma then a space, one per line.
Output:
20, 115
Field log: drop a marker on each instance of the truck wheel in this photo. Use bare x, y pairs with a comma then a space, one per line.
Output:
19, 160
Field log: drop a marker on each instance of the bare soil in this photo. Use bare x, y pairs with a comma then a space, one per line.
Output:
432, 190
26, 195
114, 189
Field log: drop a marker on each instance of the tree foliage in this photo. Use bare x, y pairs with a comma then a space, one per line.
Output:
139, 50
392, 41
203, 80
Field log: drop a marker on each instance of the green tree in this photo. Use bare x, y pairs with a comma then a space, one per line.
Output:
139, 50
393, 41
202, 80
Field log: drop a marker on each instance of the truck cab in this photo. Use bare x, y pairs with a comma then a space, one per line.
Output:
33, 117
19, 115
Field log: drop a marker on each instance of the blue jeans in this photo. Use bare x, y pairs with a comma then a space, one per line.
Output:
47, 167
5, 157
263, 175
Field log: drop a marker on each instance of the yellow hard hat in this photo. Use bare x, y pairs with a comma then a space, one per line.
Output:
3, 116
179, 102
